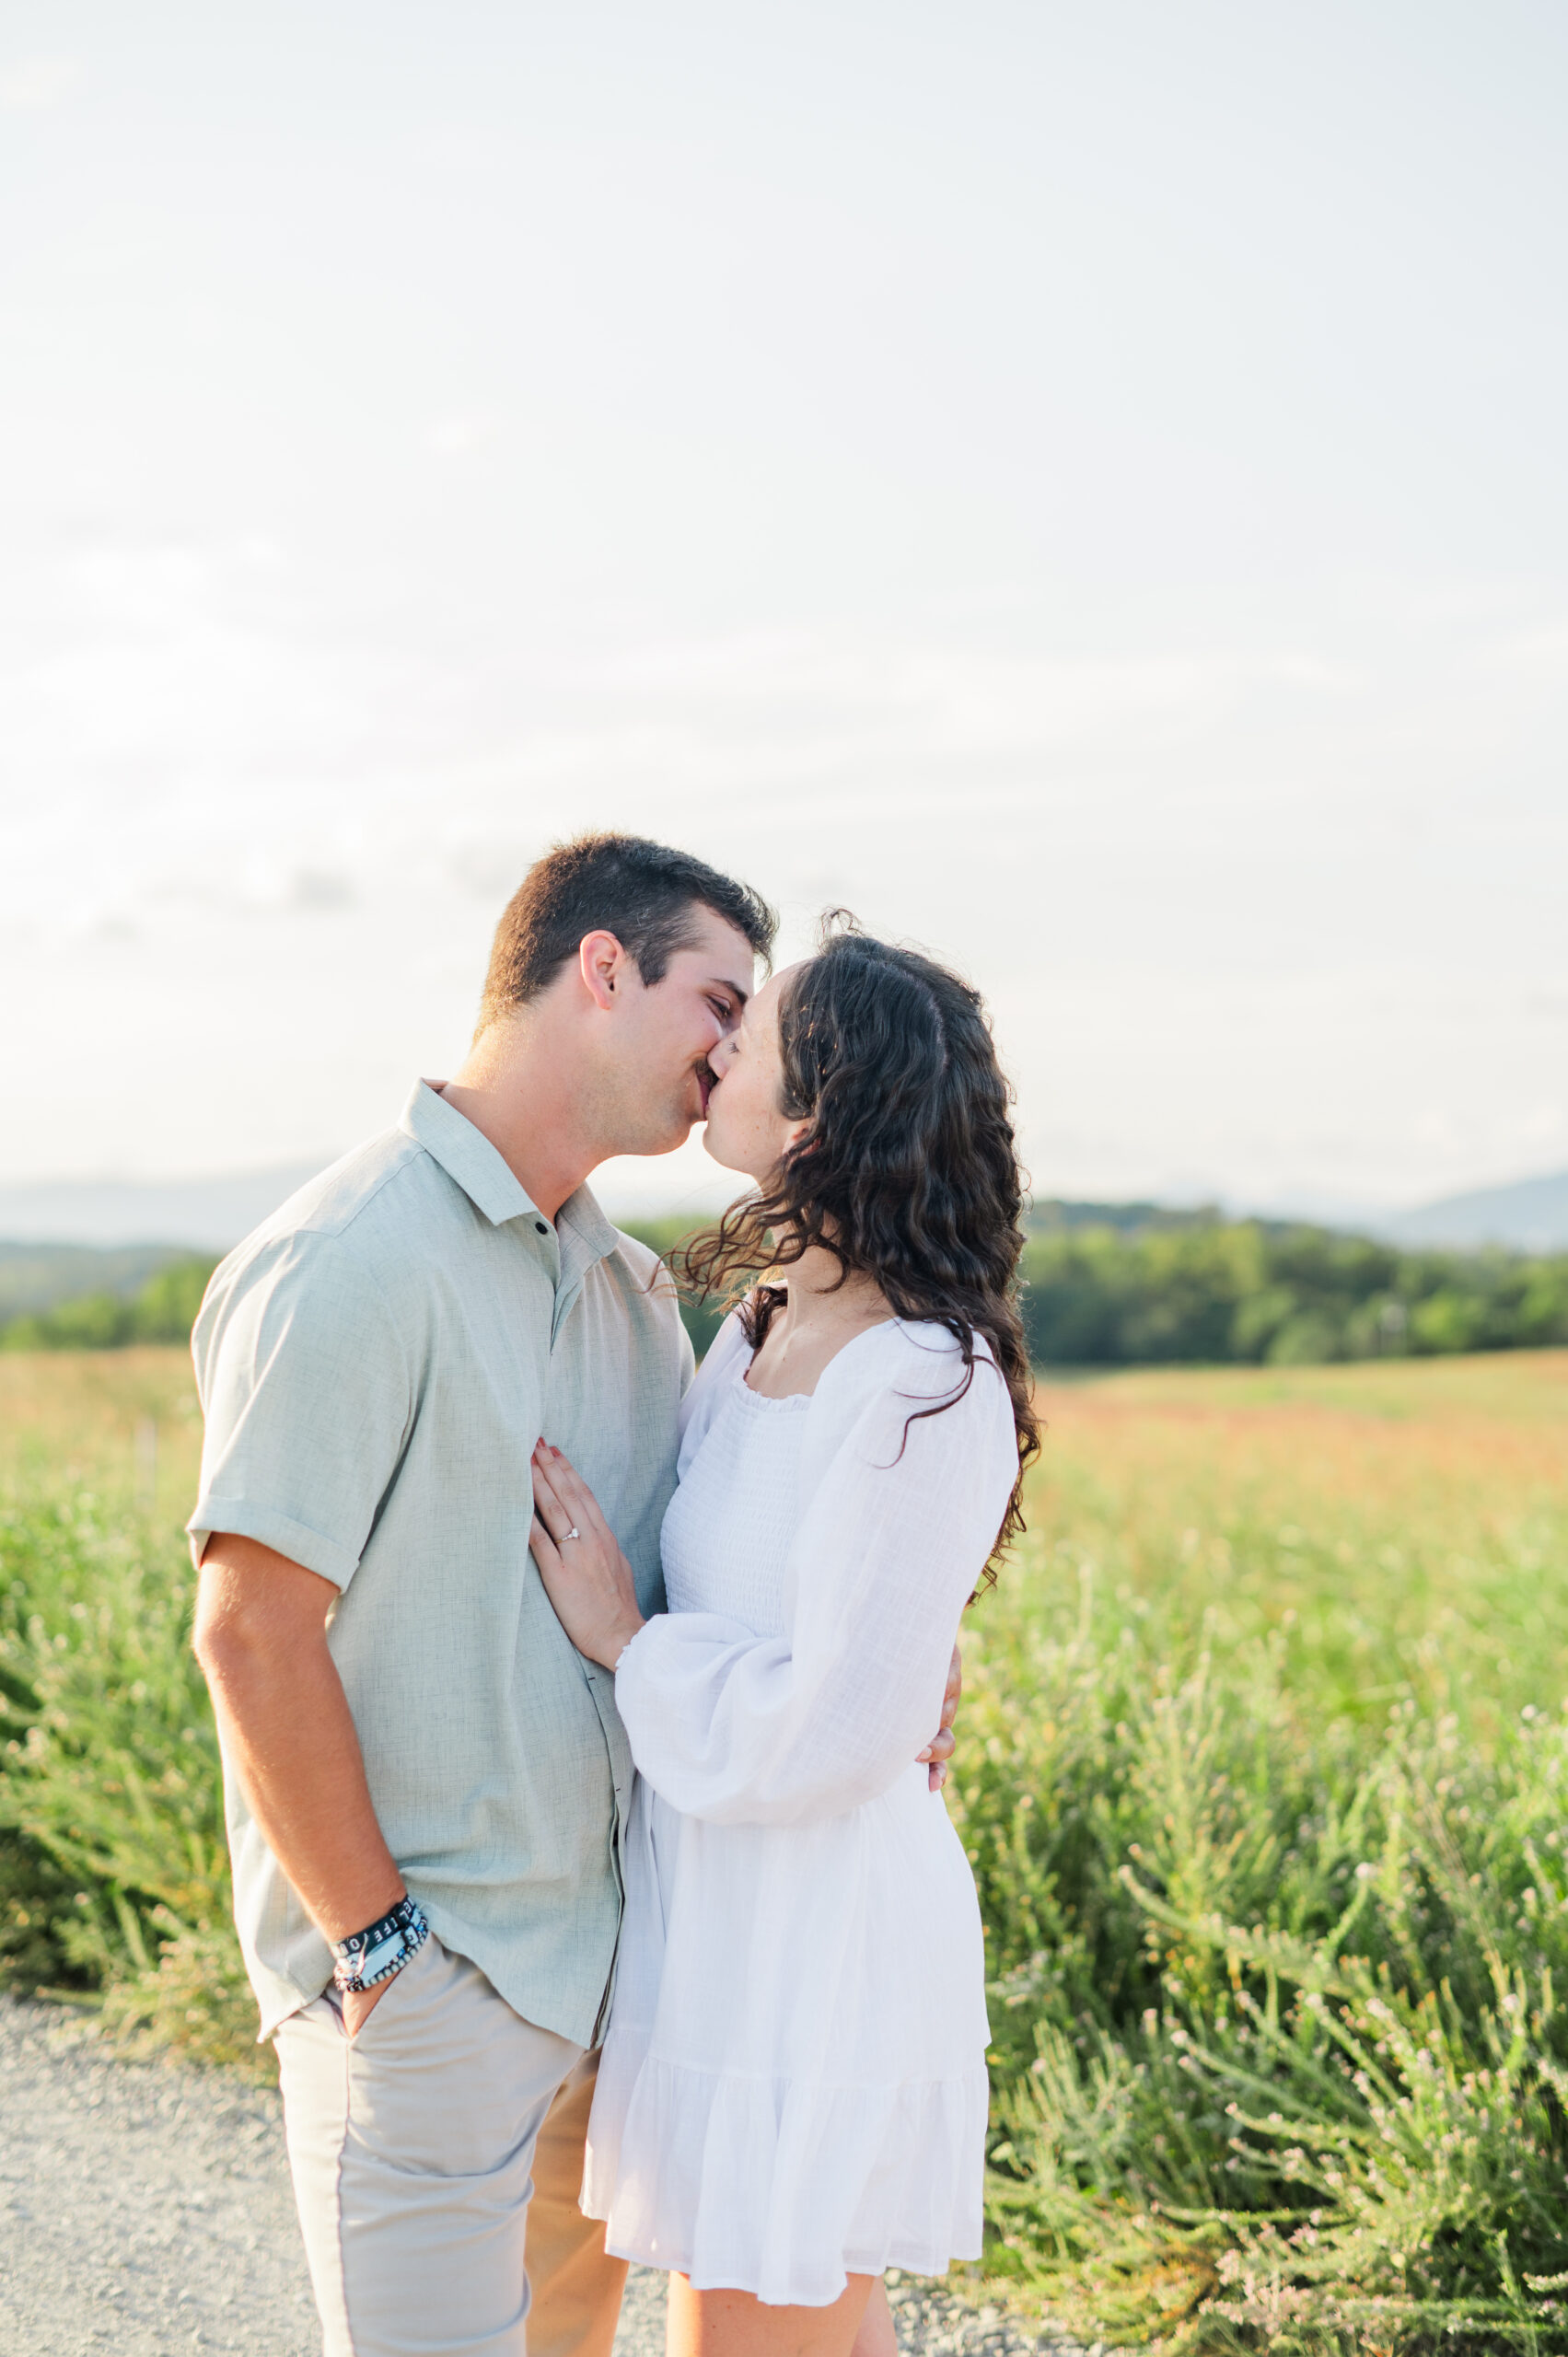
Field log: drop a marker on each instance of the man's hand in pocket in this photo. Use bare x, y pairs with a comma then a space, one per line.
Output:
360, 2004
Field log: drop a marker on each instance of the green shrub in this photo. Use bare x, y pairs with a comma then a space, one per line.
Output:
165, 1309
1281, 2047
113, 1860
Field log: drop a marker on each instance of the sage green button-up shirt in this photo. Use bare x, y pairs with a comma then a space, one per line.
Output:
375, 1364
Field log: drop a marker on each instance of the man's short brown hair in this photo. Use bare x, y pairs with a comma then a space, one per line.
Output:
641, 892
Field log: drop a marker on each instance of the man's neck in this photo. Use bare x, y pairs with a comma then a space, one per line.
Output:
517, 1096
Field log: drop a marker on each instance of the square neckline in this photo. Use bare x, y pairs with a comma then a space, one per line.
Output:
804, 1399
764, 1399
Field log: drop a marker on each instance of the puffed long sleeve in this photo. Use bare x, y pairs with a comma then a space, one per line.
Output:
897, 1527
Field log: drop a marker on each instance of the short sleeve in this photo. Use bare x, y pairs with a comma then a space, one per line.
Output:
304, 1383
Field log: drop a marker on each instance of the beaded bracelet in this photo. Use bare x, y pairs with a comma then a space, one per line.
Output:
375, 1955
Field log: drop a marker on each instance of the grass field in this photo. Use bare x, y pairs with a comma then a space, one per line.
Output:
1263, 1772
1401, 1523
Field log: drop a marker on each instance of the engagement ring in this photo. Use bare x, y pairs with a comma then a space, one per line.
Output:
572, 1534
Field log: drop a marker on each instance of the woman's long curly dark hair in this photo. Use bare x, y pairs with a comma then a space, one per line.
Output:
908, 1173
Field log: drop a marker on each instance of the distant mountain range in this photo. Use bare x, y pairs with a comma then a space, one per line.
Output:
1529, 1216
202, 1214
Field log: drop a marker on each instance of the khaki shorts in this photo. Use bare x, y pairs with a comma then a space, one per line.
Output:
436, 2160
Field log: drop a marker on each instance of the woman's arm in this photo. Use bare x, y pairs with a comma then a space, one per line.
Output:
589, 1582
738, 1729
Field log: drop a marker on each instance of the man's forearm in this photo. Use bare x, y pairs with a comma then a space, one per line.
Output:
286, 1724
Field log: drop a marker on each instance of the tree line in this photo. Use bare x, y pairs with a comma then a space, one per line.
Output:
1103, 1286
1133, 1284
1197, 1289
161, 1310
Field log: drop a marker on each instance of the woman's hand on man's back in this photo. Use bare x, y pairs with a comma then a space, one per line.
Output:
940, 1749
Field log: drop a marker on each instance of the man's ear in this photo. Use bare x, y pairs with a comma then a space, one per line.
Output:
604, 966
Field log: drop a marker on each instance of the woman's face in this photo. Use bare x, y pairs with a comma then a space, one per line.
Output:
747, 1129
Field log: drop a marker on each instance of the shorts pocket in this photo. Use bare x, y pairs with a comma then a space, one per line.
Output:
403, 1985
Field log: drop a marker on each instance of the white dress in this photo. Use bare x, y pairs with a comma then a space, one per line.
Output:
793, 2086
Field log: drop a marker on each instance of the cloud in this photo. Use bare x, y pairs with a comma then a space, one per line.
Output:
94, 920
318, 888
268, 890
490, 867
948, 700
462, 430
33, 83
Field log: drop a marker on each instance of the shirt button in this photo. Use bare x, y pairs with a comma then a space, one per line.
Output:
541, 1228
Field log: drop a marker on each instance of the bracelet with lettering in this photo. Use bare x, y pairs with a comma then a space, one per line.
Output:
375, 1955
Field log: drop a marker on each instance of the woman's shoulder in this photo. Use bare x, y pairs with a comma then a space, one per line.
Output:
728, 1348
902, 1357
728, 1344
876, 1397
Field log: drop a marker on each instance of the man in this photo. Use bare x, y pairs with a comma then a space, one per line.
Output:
425, 1782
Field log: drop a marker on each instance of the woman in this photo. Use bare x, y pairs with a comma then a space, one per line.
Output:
793, 2090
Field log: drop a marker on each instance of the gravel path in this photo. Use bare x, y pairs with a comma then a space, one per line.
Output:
142, 2209
145, 2209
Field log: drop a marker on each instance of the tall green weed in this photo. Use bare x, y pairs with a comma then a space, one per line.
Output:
113, 1864
1281, 2046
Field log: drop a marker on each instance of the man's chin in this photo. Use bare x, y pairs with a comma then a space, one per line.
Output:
672, 1133
669, 1140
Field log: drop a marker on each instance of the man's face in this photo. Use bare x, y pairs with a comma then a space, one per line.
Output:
668, 1031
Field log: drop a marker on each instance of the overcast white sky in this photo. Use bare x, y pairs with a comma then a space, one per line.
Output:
1084, 484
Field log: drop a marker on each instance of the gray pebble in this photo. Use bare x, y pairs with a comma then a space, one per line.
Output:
145, 2209
142, 2207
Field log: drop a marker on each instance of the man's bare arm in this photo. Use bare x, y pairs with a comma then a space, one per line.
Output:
260, 1636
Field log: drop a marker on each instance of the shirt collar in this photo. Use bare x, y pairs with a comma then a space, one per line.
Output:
486, 1178
581, 1211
